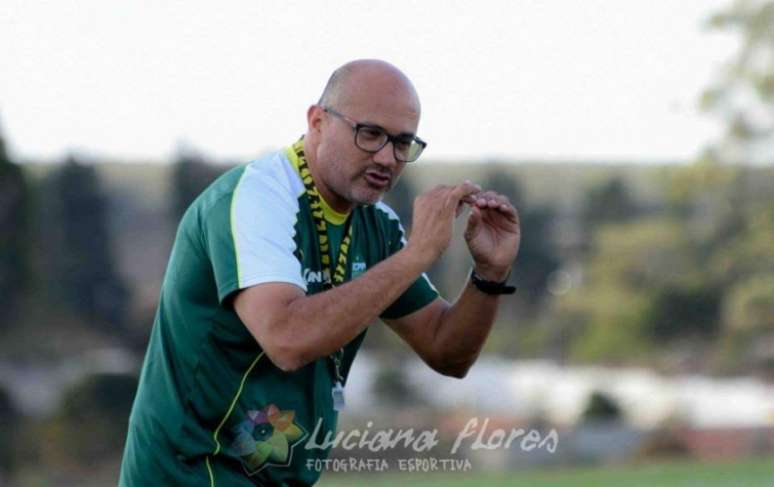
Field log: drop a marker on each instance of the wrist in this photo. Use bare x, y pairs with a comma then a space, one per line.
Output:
417, 257
491, 287
422, 254
491, 273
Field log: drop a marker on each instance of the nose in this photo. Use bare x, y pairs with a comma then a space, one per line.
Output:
386, 155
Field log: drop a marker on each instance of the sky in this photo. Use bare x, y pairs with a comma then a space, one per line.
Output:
545, 79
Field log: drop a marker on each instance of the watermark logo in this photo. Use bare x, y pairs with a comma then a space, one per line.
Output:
267, 437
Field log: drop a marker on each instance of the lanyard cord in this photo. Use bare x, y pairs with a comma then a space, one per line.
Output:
316, 208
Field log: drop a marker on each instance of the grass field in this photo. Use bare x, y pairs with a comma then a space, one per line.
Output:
758, 472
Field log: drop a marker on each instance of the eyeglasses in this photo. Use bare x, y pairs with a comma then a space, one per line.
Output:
372, 138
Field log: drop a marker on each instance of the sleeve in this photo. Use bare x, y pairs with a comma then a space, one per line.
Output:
421, 292
250, 236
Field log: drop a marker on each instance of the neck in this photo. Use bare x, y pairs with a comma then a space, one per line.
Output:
329, 198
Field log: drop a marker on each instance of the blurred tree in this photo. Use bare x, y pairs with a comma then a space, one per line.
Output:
14, 238
191, 174
503, 182
613, 314
686, 184
744, 93
748, 319
747, 253
9, 418
608, 201
727, 211
91, 422
81, 270
643, 254
710, 199
602, 407
718, 196
537, 257
687, 310
750, 305
604, 323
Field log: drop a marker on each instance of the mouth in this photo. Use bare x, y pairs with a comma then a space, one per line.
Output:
377, 179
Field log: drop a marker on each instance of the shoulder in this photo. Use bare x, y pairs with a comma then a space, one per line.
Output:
269, 177
272, 173
383, 224
386, 218
383, 212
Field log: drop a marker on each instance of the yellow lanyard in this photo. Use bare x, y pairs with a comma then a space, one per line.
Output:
322, 237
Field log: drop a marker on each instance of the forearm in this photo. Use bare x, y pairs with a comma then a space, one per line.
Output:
462, 330
320, 324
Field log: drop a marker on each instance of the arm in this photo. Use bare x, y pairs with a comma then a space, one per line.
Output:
294, 329
449, 338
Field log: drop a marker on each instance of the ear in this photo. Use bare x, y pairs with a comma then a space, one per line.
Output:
314, 118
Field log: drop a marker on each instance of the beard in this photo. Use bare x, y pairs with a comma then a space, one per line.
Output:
370, 185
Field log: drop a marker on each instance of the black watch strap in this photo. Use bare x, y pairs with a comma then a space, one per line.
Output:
491, 287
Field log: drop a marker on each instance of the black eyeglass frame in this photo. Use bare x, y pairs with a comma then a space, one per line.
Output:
356, 126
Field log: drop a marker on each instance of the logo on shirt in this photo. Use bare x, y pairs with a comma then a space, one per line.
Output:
267, 438
311, 277
358, 267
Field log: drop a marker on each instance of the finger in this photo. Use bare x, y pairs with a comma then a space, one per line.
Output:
511, 213
470, 200
503, 204
505, 209
492, 200
460, 207
474, 220
439, 189
463, 190
502, 199
488, 199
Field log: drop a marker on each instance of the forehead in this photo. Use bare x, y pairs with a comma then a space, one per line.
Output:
382, 100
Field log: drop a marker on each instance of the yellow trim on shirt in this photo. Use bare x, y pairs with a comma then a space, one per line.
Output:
331, 215
226, 416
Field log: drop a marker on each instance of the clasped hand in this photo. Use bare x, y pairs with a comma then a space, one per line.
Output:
492, 233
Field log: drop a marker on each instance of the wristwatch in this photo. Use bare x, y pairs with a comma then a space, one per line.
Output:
491, 287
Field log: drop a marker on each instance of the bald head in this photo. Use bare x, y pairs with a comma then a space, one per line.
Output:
364, 93
366, 78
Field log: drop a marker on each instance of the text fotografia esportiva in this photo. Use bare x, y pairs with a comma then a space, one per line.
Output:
475, 436
352, 464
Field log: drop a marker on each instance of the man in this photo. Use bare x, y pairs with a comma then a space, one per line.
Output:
277, 270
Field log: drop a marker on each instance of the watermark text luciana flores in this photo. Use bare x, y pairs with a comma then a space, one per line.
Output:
476, 435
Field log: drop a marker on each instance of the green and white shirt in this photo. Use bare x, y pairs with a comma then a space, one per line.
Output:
211, 409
